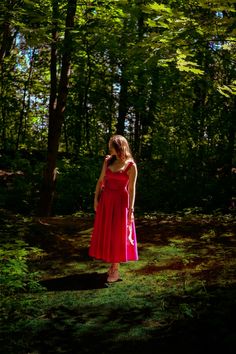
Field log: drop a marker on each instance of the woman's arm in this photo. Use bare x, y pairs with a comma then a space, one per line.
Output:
99, 182
132, 190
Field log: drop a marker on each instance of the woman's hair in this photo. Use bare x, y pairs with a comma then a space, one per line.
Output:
121, 146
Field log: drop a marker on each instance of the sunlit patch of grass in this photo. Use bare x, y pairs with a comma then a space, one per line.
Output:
150, 251
207, 236
76, 267
227, 234
86, 232
182, 240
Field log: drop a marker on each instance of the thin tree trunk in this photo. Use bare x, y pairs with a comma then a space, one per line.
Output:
66, 137
85, 105
152, 107
110, 117
3, 126
79, 123
229, 158
140, 109
123, 102
53, 63
23, 112
3, 113
29, 95
56, 113
6, 38
137, 133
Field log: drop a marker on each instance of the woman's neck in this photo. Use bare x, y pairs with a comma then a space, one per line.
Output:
121, 161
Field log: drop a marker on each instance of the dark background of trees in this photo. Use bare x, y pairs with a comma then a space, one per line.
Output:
72, 73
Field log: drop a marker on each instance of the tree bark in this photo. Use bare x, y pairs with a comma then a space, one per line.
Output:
123, 102
228, 171
6, 38
24, 111
9, 8
56, 111
86, 93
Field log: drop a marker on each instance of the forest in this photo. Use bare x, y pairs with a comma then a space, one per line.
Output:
162, 74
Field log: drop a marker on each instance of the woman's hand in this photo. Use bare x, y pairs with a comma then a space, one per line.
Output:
130, 234
95, 204
130, 220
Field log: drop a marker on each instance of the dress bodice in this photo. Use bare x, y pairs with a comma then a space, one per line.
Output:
117, 180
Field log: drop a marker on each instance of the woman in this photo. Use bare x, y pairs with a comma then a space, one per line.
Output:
114, 236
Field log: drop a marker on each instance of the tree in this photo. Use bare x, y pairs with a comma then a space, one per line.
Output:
57, 105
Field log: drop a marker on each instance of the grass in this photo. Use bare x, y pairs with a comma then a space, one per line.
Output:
180, 295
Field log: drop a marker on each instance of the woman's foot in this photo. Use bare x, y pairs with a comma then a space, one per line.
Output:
113, 275
110, 270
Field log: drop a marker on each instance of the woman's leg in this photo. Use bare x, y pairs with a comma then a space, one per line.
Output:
113, 273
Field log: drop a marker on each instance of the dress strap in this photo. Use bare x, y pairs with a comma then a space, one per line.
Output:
129, 165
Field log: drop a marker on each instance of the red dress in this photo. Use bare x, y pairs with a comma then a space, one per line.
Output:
110, 240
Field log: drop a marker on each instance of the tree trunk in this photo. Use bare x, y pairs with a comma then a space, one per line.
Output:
3, 126
154, 101
137, 133
123, 101
85, 103
139, 103
23, 113
9, 10
229, 160
56, 111
6, 38
66, 137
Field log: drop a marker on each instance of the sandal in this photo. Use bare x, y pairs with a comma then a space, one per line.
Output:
113, 276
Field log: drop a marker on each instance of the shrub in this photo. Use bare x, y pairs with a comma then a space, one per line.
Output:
15, 275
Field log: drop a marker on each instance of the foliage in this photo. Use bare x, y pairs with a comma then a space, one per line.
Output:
160, 73
15, 273
76, 185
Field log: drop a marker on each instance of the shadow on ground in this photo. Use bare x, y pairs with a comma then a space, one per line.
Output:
87, 281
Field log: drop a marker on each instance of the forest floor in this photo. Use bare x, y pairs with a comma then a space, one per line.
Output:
180, 296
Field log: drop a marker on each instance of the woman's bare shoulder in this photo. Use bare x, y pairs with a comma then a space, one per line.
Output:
132, 167
130, 160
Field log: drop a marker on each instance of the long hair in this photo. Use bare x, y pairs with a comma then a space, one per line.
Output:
121, 146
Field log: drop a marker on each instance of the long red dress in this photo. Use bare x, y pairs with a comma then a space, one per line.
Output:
110, 241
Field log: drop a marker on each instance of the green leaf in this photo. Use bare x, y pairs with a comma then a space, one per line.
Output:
227, 90
186, 65
160, 8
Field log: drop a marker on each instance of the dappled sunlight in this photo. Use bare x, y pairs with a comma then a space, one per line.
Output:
86, 232
166, 246
182, 286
